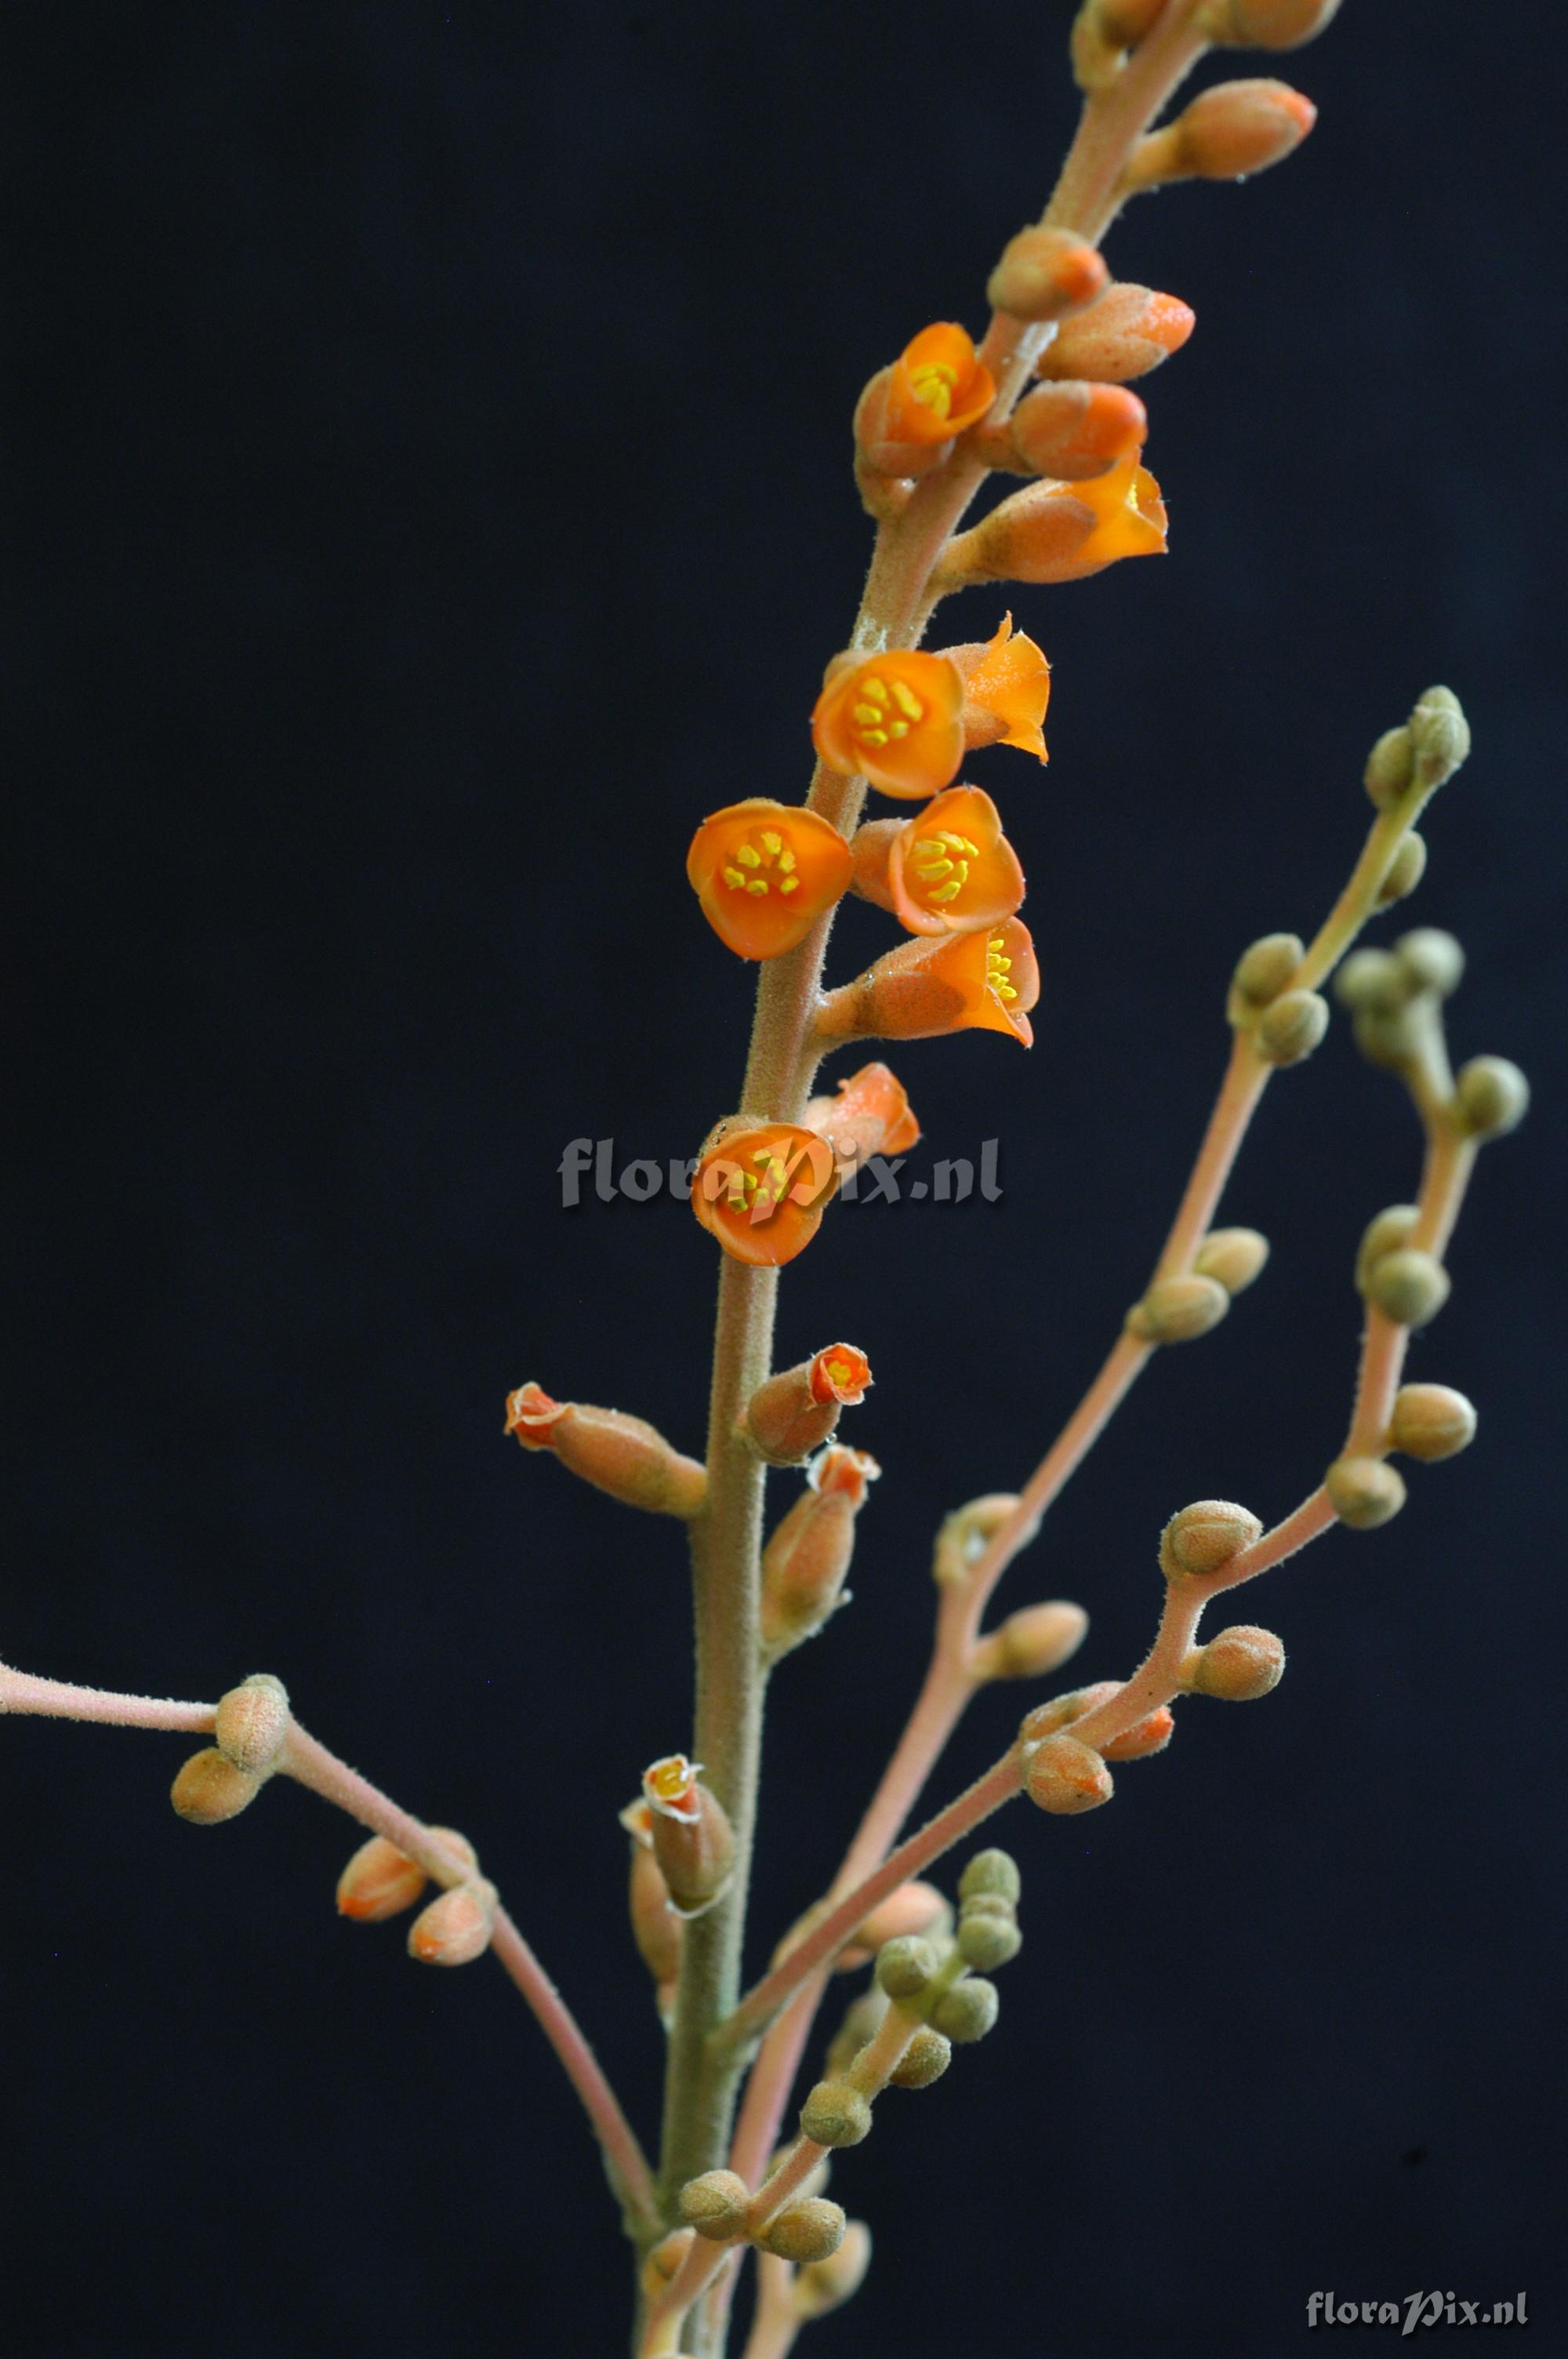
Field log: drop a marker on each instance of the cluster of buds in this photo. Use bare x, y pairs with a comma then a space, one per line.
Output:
454, 1929
250, 1730
1285, 1022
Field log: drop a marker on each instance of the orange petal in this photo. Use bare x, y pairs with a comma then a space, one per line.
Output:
764, 872
761, 1192
1007, 686
952, 869
937, 388
895, 719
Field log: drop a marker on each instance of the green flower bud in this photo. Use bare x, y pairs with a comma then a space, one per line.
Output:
1492, 1095
1364, 1492
1440, 734
1202, 1537
1232, 1257
1430, 1421
1174, 1310
1433, 960
1408, 1286
1406, 870
925, 2059
1372, 983
862, 2020
807, 2230
905, 1966
987, 1941
969, 2009
835, 2114
822, 2285
992, 1871
1291, 1027
1386, 1234
1390, 767
1265, 969
1238, 1665
716, 2205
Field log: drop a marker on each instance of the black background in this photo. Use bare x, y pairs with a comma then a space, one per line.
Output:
431, 492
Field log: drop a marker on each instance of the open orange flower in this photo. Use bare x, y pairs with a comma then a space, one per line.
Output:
937, 387
870, 1115
1007, 686
948, 871
764, 872
1129, 516
1059, 532
987, 980
896, 719
762, 1192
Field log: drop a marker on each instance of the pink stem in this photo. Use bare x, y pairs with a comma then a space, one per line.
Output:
20, 1691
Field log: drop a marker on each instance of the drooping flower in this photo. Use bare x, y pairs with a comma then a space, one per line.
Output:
948, 872
762, 1189
987, 980
896, 719
1007, 686
764, 872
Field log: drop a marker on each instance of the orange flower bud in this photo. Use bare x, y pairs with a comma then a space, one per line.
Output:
937, 387
694, 1842
1007, 685
807, 1556
987, 980
869, 1116
911, 1909
1130, 331
209, 1788
1274, 24
624, 1455
456, 1928
795, 1412
948, 871
1054, 532
1238, 1665
764, 872
1150, 1735
1066, 1777
762, 1191
252, 1722
1233, 129
895, 719
1075, 428
1035, 1640
380, 1881
1043, 274
1060, 1712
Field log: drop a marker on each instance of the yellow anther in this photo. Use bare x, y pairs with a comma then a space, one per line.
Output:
756, 885
772, 843
933, 387
1005, 991
873, 736
908, 703
927, 848
1002, 966
948, 891
749, 856
789, 884
734, 876
935, 868
874, 690
786, 862
961, 870
972, 849
898, 728
866, 714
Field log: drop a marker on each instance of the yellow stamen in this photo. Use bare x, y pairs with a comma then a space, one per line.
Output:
789, 884
772, 843
786, 862
734, 878
908, 703
756, 885
749, 856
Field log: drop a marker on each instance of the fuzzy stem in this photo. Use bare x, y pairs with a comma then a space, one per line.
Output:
774, 2323
21, 1691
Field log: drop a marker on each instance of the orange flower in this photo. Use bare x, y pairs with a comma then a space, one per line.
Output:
938, 387
1060, 532
1007, 686
1129, 516
838, 1375
948, 871
796, 1411
764, 872
895, 719
762, 1192
869, 1116
987, 980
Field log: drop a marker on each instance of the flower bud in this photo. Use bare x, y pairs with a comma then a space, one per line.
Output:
1176, 1310
1387, 1234
1408, 1286
1373, 983
1406, 870
1492, 1096
624, 1455
1440, 735
1232, 1257
1035, 1641
1432, 958
994, 1872
905, 1966
1271, 24
656, 1930
716, 2205
1238, 1665
925, 2059
969, 2009
835, 2114
822, 2285
963, 1537
1266, 969
252, 1722
1126, 331
1043, 274
987, 1940
809, 1553
809, 2229
455, 1928
913, 1908
1390, 767
1364, 1492
1202, 1537
1060, 1712
380, 1881
1430, 1421
209, 1788
862, 2020
1150, 1735
1073, 429
1228, 132
1125, 22
1066, 1777
693, 1840
1291, 1027
795, 1412
661, 2263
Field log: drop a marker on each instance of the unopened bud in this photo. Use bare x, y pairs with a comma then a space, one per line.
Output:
1066, 1777
1408, 1286
1390, 767
663, 2259
965, 1535
1043, 274
1209, 1534
380, 1881
1373, 983
693, 1840
1035, 1641
1125, 22
1061, 1712
795, 1412
1406, 870
1073, 429
1232, 1257
1492, 1096
991, 1872
1440, 735
656, 1930
1364, 1492
1391, 1230
822, 2285
1266, 969
1125, 334
862, 2020
716, 2205
624, 1455
1150, 1734
905, 1966
925, 2059
1291, 1027
455, 1928
809, 1553
969, 2009
1430, 1421
913, 1909
1238, 1665
987, 1940
209, 1788
252, 1722
1269, 24
1432, 958
1176, 1310
806, 2229
835, 2114
1235, 129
